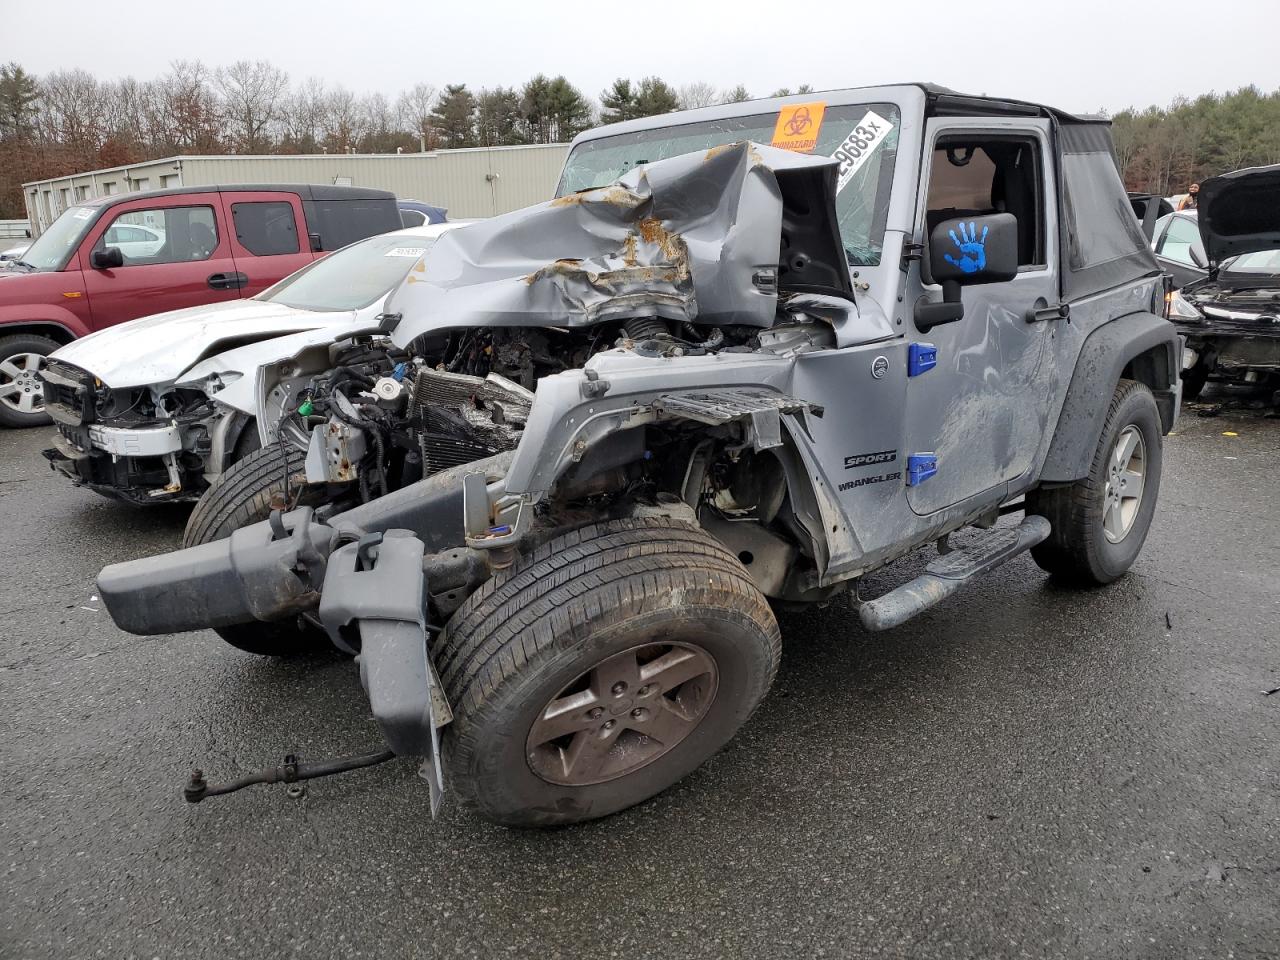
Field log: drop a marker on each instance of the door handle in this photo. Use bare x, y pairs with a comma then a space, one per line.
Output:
1041, 311
228, 281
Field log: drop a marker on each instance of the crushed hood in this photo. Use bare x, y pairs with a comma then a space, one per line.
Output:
157, 349
709, 237
1239, 212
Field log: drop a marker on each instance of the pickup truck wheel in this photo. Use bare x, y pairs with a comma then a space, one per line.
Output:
241, 496
600, 670
1100, 522
21, 392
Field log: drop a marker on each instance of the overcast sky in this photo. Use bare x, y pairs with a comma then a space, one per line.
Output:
1085, 55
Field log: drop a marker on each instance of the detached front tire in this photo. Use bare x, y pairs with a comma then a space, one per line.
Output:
600, 670
237, 498
1100, 522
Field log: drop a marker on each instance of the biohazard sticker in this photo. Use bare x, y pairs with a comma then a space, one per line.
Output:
798, 125
404, 252
871, 131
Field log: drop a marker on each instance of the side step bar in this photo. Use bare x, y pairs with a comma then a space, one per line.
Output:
947, 574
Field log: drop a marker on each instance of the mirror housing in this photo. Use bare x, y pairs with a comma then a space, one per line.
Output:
106, 259
974, 249
964, 251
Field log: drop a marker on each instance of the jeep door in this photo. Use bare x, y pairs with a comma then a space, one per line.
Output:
981, 411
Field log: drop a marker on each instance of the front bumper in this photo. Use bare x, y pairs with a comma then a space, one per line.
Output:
155, 476
142, 464
370, 594
1233, 344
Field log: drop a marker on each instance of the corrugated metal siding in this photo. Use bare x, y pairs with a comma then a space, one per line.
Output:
481, 182
9, 229
471, 183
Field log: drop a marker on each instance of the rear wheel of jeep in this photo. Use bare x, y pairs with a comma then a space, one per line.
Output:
1101, 521
241, 496
21, 392
600, 670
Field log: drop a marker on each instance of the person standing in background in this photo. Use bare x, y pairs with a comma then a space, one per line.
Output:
1189, 201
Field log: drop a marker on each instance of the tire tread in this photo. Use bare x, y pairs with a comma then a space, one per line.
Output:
240, 496
567, 588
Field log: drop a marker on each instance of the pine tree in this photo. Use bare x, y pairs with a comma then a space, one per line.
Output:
454, 116
19, 95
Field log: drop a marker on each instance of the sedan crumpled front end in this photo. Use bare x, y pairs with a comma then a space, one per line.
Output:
1231, 326
138, 444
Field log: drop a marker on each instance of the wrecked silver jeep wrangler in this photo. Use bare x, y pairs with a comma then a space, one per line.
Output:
549, 501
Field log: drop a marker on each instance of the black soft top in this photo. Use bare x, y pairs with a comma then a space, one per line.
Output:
943, 101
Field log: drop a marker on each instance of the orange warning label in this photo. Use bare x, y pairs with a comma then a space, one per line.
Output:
798, 126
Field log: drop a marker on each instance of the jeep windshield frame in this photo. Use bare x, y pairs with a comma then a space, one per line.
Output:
862, 206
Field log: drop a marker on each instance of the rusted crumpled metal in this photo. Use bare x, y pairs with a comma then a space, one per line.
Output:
690, 237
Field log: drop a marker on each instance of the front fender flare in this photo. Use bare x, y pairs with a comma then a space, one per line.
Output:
564, 427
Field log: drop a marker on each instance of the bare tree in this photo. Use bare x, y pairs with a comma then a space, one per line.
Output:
71, 110
251, 93
302, 114
697, 95
187, 113
413, 107
343, 122
381, 130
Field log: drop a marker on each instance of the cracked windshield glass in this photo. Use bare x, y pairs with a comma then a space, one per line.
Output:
863, 136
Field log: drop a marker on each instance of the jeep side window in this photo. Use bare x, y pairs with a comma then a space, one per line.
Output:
980, 176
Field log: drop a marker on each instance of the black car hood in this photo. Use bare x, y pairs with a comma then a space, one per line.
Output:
1240, 212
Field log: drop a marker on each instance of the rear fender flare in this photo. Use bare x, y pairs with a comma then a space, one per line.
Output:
1138, 346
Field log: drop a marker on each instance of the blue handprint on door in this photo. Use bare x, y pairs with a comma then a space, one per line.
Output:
973, 251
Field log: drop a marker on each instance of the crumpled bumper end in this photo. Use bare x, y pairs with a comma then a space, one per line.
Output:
260, 572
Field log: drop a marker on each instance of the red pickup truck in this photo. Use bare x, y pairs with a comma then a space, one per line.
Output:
115, 258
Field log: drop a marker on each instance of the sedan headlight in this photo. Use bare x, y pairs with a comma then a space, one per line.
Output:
1180, 308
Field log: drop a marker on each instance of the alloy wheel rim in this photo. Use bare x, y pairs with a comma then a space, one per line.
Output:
622, 714
1126, 479
20, 388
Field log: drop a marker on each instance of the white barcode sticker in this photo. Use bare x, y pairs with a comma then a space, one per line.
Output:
404, 252
82, 213
871, 131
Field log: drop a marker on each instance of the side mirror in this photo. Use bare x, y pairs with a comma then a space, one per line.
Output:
964, 251
106, 259
974, 249
317, 244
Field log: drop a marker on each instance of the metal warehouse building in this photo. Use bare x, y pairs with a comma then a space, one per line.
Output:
473, 182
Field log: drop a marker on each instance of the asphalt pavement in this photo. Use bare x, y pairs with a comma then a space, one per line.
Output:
1025, 771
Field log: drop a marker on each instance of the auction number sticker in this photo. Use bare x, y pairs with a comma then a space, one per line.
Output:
871, 131
797, 127
83, 213
404, 252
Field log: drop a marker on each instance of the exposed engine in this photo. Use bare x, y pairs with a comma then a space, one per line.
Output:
382, 418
